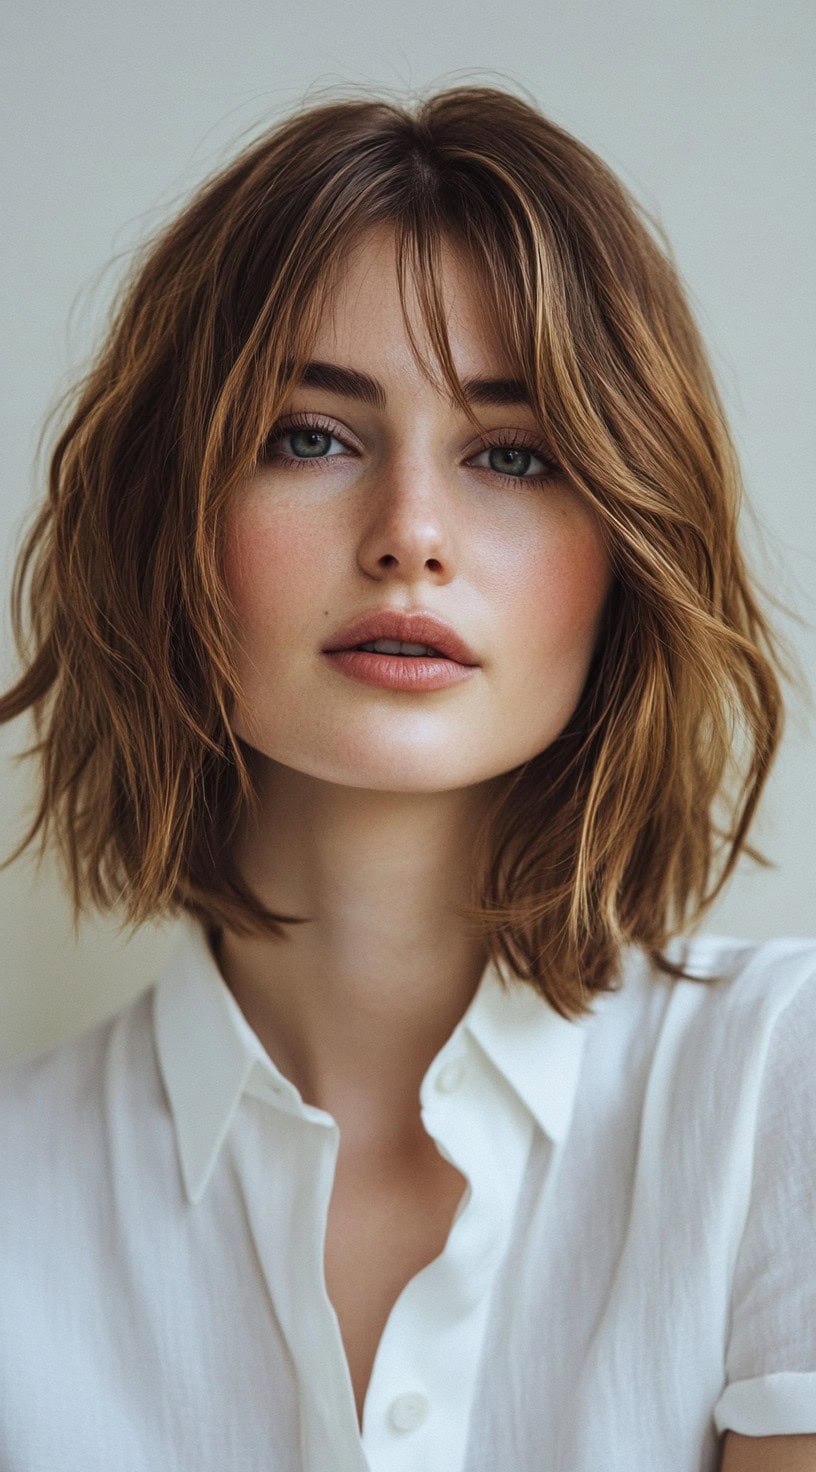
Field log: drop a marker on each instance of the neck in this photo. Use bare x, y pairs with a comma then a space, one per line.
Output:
354, 1005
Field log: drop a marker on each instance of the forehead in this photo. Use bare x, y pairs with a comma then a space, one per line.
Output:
363, 317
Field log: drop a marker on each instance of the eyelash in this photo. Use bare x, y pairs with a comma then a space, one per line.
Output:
503, 439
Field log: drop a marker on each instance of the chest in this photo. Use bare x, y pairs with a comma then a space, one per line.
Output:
383, 1228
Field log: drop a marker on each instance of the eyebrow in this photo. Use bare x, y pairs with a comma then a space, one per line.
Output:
487, 392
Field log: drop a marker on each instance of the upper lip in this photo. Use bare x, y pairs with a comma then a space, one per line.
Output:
415, 627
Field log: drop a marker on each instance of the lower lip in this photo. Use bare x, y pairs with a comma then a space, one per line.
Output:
400, 671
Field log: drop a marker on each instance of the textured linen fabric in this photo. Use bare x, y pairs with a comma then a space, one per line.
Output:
631, 1269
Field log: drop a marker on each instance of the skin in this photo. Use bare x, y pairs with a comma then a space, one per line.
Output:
768, 1453
370, 797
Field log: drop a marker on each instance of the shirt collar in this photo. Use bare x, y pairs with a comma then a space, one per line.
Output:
209, 1055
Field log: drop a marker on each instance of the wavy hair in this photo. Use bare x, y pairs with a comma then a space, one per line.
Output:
607, 838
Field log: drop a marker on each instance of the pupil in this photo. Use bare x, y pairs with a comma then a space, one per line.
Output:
307, 437
509, 456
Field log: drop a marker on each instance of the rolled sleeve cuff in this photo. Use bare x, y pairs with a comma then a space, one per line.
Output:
769, 1405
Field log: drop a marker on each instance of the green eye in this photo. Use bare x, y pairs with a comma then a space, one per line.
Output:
309, 441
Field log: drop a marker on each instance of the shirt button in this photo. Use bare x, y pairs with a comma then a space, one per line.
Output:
408, 1411
450, 1076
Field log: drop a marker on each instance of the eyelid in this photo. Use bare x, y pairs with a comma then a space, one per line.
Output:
305, 420
308, 419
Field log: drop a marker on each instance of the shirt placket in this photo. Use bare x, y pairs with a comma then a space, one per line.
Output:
287, 1166
419, 1397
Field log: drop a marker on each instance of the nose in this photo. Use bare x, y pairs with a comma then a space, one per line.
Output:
411, 521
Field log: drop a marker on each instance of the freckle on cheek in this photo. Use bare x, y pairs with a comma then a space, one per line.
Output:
263, 563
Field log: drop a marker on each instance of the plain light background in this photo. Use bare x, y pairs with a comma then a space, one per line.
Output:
112, 114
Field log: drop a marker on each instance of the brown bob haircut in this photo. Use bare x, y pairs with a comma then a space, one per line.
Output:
608, 837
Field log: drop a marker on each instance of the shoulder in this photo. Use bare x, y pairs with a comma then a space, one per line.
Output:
726, 1005
735, 985
763, 1006
56, 1103
713, 1039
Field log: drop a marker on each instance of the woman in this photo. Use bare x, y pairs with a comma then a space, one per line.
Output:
441, 1142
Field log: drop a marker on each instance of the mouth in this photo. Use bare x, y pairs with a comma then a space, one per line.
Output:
398, 670
408, 634
388, 648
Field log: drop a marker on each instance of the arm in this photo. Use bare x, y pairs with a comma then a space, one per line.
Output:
768, 1453
767, 1411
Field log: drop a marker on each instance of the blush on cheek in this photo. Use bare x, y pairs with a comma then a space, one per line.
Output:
263, 560
569, 593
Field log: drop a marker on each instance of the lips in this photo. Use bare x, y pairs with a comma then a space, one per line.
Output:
418, 626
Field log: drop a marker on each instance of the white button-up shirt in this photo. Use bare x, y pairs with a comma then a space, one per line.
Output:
631, 1270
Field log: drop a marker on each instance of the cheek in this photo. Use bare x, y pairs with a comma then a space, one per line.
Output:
268, 564
561, 596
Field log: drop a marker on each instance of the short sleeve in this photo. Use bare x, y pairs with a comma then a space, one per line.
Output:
771, 1351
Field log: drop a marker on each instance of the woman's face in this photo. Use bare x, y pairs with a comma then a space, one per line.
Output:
405, 506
